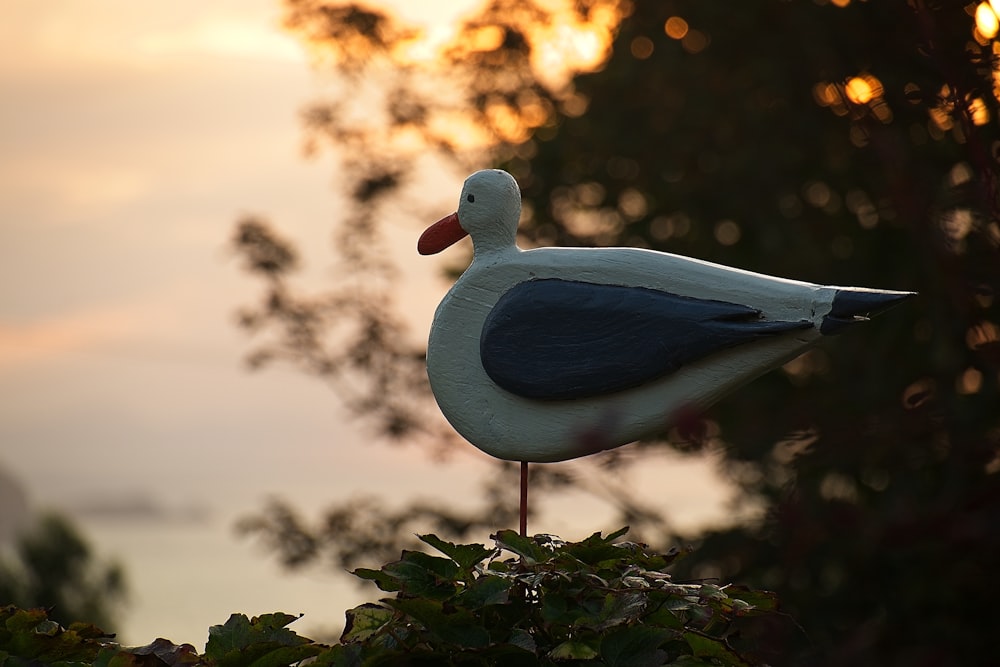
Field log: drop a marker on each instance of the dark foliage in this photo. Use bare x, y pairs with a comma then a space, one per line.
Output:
546, 603
592, 602
742, 153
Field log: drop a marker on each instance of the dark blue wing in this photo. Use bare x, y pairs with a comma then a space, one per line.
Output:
562, 339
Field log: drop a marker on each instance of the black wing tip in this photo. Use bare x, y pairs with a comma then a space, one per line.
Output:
852, 306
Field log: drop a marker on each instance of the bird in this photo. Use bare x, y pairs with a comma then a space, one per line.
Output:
552, 353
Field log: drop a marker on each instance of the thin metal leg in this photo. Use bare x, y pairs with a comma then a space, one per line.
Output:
524, 498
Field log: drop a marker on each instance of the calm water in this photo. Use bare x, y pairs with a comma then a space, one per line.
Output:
187, 576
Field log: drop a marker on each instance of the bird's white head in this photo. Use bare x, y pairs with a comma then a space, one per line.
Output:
488, 211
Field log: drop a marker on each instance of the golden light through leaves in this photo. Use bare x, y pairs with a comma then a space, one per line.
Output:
461, 130
561, 47
861, 94
574, 47
979, 112
987, 22
569, 45
370, 43
859, 90
487, 38
996, 71
424, 46
506, 121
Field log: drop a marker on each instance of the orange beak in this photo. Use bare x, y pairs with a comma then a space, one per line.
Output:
440, 235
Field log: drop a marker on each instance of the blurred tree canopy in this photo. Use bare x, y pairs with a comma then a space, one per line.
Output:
838, 141
51, 566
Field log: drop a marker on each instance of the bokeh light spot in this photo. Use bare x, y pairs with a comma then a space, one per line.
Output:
676, 27
960, 174
979, 112
632, 204
641, 47
817, 193
863, 89
695, 41
969, 382
727, 232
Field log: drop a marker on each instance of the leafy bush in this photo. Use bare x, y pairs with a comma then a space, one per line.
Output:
527, 601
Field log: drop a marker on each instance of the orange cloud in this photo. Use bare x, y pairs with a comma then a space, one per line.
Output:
56, 337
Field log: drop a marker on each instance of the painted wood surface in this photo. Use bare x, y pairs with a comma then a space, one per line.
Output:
558, 339
554, 353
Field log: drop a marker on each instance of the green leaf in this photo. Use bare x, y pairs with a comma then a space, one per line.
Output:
557, 609
523, 639
664, 618
704, 646
486, 590
499, 566
712, 592
423, 575
260, 641
597, 549
635, 646
364, 621
48, 627
691, 661
442, 567
615, 535
339, 655
529, 550
573, 650
619, 608
458, 627
29, 636
286, 655
89, 631
507, 655
384, 581
759, 600
163, 651
466, 555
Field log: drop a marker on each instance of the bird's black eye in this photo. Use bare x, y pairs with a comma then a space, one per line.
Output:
471, 198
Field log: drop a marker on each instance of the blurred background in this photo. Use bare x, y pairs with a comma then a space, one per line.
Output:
133, 138
163, 230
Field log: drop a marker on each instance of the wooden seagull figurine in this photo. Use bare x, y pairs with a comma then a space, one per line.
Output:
554, 353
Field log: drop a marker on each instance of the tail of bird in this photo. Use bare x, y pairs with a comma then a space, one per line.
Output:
852, 305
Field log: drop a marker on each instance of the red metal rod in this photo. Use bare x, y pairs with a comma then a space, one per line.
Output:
524, 498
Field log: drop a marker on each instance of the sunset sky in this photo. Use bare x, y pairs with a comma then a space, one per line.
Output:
132, 136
